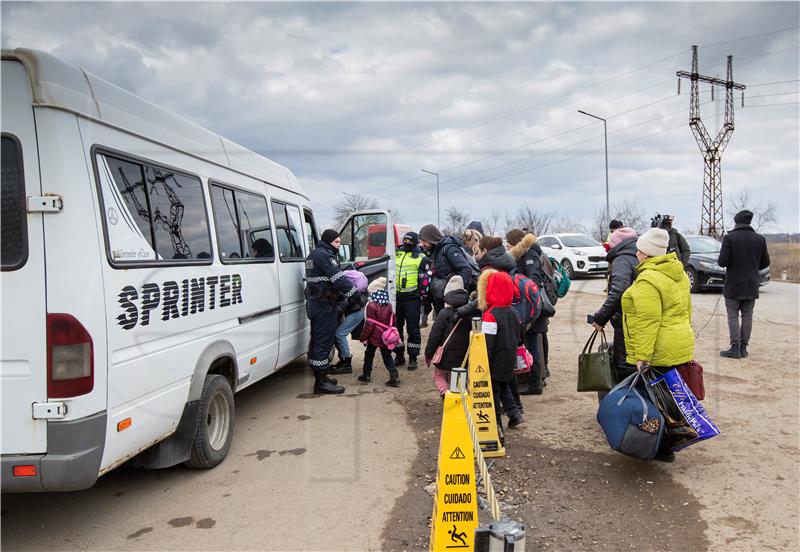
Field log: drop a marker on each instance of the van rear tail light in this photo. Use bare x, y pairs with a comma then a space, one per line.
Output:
70, 357
24, 471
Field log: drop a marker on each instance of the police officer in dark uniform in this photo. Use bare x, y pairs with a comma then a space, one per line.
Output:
409, 264
325, 285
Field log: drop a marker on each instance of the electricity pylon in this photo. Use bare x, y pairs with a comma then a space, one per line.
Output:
712, 223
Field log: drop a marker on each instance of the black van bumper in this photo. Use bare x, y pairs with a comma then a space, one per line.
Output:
72, 461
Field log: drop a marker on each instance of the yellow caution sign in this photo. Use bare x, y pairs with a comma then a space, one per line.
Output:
482, 398
455, 507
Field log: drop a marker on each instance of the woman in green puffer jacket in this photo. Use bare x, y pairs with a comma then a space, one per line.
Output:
657, 308
657, 313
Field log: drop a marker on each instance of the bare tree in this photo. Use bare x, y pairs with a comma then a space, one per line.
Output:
491, 224
629, 212
531, 220
765, 214
357, 202
565, 224
349, 205
456, 221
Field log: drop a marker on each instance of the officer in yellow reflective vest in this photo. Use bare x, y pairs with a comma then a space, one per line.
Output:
410, 263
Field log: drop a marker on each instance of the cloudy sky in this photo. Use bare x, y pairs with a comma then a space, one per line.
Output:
359, 97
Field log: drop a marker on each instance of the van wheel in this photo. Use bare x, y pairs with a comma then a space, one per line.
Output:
214, 431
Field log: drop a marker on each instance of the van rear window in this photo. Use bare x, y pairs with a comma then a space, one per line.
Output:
13, 238
152, 213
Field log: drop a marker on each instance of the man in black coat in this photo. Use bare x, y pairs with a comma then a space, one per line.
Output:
744, 253
449, 259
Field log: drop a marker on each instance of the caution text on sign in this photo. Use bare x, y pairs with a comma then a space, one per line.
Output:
455, 509
481, 397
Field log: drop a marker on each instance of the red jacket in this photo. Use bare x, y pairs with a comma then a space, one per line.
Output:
501, 326
371, 334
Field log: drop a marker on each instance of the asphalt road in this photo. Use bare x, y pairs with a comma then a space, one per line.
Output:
305, 472
779, 301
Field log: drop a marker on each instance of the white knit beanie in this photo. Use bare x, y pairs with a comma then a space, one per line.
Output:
454, 284
654, 242
376, 284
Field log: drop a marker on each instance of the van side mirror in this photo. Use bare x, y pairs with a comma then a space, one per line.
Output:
555, 246
344, 252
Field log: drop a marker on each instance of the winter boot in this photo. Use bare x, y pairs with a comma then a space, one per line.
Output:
394, 379
327, 378
412, 364
323, 385
365, 374
399, 359
743, 349
734, 352
515, 418
423, 320
344, 366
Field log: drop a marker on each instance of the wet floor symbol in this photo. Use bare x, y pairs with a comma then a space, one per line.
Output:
457, 537
483, 417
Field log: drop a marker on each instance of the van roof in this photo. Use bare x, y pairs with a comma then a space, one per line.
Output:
59, 85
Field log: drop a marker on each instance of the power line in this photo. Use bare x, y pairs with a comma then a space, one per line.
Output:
770, 105
566, 146
583, 154
517, 148
751, 36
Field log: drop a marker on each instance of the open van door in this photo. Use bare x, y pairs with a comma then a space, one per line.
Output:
368, 242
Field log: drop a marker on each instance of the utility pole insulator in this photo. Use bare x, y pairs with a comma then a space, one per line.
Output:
712, 223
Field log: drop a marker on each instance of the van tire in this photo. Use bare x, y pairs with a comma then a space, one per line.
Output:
214, 430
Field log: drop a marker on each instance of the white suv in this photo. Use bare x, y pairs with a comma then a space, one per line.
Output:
577, 253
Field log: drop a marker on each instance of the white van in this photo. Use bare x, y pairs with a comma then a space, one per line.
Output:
150, 269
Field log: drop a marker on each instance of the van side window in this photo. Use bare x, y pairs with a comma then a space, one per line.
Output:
287, 228
243, 227
14, 234
152, 213
310, 229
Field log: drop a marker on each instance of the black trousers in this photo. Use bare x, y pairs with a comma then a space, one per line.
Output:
324, 320
408, 309
503, 395
386, 355
535, 343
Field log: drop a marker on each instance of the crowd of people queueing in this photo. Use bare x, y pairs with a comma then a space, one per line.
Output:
462, 277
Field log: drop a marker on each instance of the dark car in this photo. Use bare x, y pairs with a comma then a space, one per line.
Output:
703, 270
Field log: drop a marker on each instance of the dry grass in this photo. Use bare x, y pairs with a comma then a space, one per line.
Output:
784, 256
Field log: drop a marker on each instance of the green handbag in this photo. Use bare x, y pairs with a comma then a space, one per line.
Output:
594, 368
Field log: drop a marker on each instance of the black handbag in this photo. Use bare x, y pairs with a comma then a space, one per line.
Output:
438, 286
594, 368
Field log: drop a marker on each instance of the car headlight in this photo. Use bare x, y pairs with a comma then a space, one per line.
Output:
711, 266
579, 252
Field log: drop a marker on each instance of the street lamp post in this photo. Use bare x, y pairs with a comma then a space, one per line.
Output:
438, 217
605, 136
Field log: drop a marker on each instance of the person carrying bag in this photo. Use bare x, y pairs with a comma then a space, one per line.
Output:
594, 368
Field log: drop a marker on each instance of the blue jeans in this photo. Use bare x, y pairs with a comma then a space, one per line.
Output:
343, 332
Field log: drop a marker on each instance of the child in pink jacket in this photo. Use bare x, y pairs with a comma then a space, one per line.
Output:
379, 317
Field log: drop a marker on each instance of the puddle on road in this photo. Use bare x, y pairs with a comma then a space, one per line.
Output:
140, 532
181, 521
206, 523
